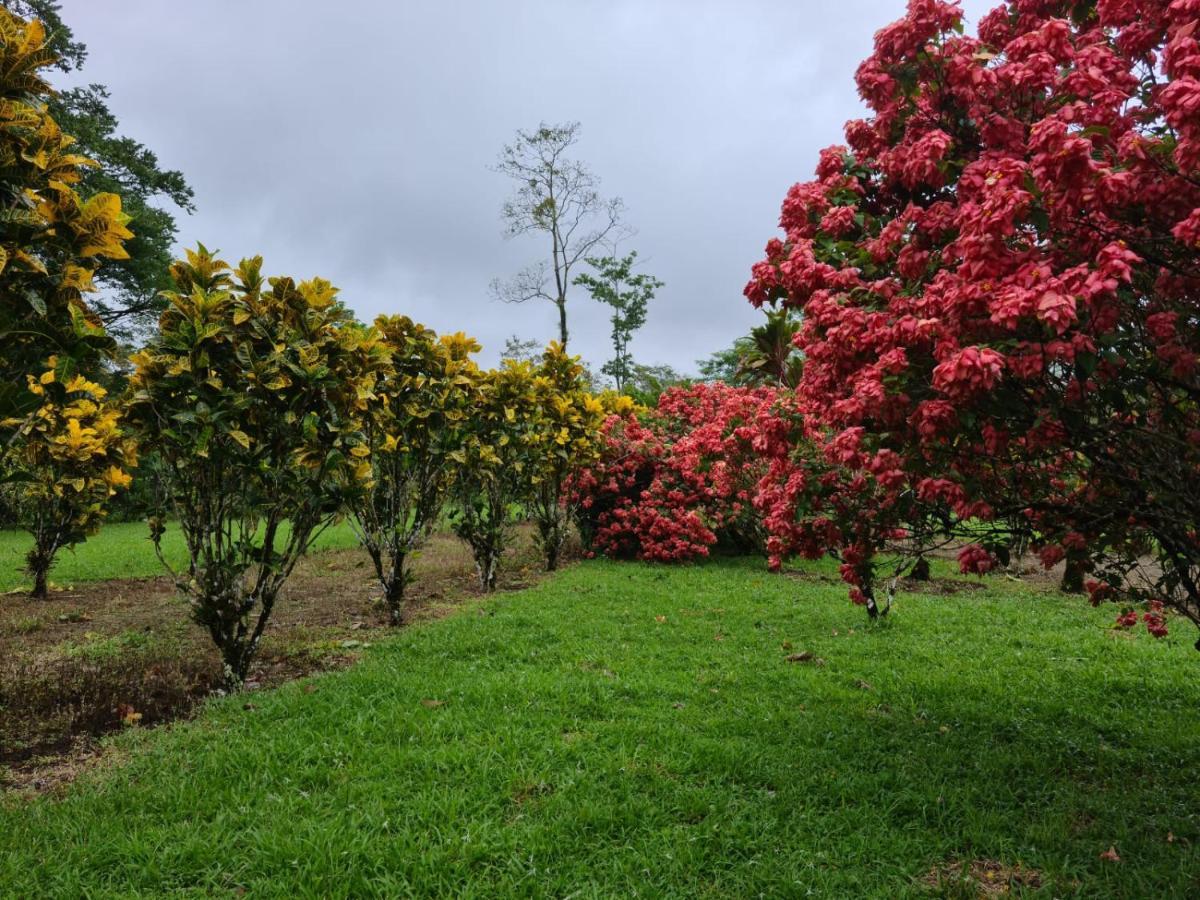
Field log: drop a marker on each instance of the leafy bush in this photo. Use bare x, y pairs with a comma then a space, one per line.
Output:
568, 423
497, 463
254, 395
71, 456
426, 402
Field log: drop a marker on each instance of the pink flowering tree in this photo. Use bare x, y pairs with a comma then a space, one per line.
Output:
1001, 292
677, 481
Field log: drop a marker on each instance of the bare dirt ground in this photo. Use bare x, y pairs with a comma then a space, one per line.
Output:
124, 653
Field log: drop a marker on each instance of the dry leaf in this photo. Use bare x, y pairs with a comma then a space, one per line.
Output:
432, 704
660, 619
1111, 855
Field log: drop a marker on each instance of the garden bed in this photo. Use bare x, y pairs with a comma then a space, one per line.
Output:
106, 655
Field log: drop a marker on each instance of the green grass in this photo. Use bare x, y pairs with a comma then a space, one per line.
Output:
562, 742
119, 550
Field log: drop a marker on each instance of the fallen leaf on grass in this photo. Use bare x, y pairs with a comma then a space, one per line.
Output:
1111, 855
805, 656
863, 685
660, 619
432, 704
310, 689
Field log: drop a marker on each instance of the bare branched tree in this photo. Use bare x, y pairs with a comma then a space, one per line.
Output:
559, 197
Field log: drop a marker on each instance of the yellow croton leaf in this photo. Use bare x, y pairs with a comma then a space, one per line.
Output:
117, 477
102, 224
77, 278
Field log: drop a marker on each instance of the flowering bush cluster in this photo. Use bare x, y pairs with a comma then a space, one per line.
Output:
673, 482
999, 279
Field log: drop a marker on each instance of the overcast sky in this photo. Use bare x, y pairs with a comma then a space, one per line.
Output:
353, 140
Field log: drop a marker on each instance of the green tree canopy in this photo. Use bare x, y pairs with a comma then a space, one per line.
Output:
629, 294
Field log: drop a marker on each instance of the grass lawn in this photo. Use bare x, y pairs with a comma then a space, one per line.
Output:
119, 550
625, 730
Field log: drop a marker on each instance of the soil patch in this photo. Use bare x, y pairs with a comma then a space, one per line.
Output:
983, 877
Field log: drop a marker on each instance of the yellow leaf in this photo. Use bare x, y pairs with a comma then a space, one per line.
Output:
241, 437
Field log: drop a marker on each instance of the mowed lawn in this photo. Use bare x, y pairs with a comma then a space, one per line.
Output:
629, 730
119, 550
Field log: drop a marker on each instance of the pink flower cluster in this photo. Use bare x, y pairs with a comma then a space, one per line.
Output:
673, 483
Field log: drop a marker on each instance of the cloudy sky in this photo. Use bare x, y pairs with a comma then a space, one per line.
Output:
354, 140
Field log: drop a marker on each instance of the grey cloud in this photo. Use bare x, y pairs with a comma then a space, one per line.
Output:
353, 140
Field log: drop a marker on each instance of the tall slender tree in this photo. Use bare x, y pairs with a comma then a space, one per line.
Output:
629, 294
559, 197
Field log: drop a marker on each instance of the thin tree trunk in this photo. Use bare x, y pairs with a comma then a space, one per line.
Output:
561, 303
920, 570
395, 593
487, 572
40, 589
1072, 579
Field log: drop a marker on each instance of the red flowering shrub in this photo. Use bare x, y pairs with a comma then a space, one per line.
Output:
1001, 290
669, 486
609, 494
715, 461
